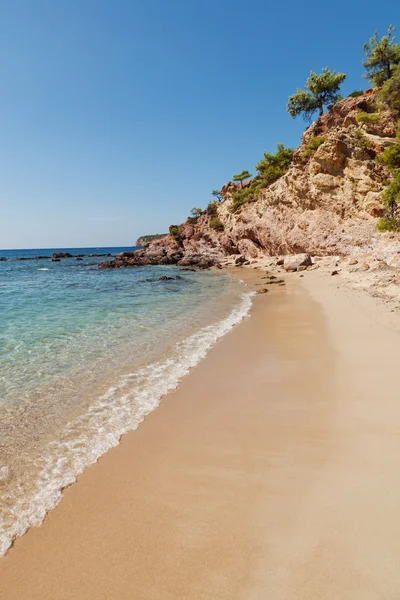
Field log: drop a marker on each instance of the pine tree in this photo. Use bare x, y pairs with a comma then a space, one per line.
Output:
320, 91
241, 177
383, 55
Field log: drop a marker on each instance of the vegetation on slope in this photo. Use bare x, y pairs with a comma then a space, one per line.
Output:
146, 239
269, 169
312, 146
390, 159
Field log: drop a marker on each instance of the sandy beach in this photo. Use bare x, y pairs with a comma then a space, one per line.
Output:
270, 473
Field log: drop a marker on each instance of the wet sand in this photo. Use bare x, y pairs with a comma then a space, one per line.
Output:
270, 473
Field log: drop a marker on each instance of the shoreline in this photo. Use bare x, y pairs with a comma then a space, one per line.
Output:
114, 407
270, 470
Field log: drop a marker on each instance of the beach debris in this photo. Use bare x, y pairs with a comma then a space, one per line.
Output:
262, 291
275, 281
335, 273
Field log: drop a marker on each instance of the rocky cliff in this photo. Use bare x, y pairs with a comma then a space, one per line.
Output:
327, 203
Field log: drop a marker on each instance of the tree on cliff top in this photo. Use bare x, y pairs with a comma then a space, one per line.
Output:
241, 177
320, 90
382, 57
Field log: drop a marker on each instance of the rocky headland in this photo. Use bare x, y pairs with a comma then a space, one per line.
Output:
327, 204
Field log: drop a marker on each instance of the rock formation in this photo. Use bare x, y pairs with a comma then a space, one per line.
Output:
327, 203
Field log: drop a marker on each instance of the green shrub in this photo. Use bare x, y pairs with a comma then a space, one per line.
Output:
390, 158
176, 232
273, 166
312, 146
388, 224
212, 209
195, 213
391, 195
368, 118
247, 194
389, 93
360, 140
216, 224
270, 168
356, 94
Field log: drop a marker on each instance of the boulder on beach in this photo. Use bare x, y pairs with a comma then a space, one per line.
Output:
294, 262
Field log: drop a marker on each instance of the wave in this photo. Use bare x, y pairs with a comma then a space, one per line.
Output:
121, 409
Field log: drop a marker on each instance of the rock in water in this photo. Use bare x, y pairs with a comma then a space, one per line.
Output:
62, 255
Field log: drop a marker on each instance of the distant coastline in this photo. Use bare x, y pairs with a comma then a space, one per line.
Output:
146, 239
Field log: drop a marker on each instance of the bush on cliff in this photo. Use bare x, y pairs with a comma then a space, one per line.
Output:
360, 140
356, 94
247, 194
176, 232
390, 158
273, 166
391, 195
368, 118
216, 224
312, 146
270, 168
212, 209
388, 224
195, 213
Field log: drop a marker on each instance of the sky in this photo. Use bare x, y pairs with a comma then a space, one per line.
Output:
117, 117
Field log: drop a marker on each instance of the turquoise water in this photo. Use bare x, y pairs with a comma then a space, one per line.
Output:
85, 354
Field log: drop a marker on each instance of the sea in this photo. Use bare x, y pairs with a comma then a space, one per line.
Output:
85, 355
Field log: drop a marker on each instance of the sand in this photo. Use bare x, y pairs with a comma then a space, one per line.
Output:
271, 473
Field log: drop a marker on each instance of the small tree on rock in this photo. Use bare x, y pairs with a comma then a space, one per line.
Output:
218, 195
382, 57
320, 91
242, 177
195, 213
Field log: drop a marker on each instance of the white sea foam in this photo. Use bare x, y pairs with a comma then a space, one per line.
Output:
115, 413
43, 269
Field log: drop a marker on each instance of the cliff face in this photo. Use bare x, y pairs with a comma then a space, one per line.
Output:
326, 204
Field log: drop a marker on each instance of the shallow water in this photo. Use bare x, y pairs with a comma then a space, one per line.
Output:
85, 354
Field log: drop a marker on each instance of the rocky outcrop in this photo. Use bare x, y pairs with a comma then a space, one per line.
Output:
62, 255
326, 204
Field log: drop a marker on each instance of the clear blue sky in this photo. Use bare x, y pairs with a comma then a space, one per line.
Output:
119, 116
